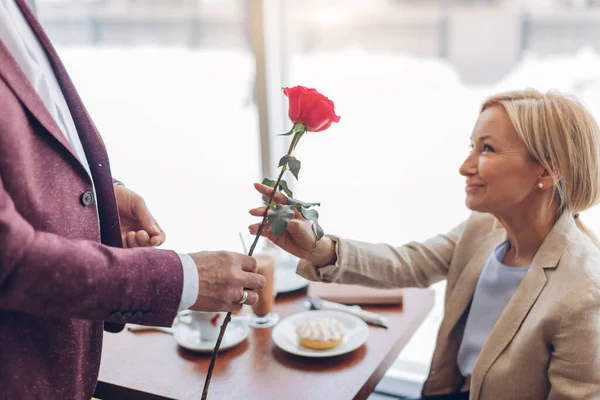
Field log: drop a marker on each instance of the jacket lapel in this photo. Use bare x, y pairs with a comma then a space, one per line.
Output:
463, 291
524, 298
18, 82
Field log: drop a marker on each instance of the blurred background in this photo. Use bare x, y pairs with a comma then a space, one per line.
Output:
187, 96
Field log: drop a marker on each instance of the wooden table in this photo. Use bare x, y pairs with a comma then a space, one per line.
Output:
150, 365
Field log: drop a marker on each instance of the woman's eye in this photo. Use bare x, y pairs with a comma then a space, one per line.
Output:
487, 148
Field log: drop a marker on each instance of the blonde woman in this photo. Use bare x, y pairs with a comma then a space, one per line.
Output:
522, 309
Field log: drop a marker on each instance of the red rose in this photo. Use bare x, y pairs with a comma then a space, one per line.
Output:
310, 108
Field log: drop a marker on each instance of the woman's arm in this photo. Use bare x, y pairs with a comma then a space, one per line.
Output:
380, 265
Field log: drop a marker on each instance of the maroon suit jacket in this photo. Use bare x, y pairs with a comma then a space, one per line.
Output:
63, 273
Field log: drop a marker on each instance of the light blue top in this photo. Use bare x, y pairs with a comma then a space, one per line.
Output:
496, 285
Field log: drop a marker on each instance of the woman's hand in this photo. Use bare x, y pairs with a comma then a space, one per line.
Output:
298, 238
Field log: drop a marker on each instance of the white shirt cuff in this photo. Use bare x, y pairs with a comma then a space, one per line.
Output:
189, 293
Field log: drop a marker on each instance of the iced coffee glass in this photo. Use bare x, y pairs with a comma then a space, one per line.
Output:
263, 315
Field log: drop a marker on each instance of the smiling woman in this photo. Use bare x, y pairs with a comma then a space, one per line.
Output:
548, 144
523, 274
503, 177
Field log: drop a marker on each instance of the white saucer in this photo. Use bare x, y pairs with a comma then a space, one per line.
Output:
287, 280
356, 334
236, 333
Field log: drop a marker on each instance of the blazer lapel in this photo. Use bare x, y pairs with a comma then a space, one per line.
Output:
18, 82
463, 291
521, 302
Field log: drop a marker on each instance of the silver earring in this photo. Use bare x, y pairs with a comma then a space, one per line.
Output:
541, 185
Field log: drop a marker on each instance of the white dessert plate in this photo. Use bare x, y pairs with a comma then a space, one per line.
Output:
355, 335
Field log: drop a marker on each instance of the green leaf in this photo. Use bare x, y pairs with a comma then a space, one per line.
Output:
292, 162
268, 182
298, 203
282, 185
284, 188
279, 218
284, 160
313, 216
294, 165
265, 199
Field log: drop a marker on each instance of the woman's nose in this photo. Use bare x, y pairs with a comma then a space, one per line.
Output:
469, 166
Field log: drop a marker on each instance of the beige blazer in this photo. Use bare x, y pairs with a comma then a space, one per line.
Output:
546, 342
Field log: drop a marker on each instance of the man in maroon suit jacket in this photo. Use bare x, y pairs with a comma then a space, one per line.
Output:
63, 270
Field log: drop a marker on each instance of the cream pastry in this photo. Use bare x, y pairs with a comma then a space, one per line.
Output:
320, 333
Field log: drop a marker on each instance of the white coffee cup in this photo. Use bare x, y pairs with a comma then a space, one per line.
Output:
204, 326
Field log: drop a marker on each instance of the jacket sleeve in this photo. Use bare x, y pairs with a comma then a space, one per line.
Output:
380, 265
48, 275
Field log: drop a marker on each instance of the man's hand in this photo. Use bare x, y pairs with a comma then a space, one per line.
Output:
223, 276
138, 226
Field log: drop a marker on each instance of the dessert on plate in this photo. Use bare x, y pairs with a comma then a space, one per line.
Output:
320, 333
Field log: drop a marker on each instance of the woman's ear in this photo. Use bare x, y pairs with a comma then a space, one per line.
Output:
548, 180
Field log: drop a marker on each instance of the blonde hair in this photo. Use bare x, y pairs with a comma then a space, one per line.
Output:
563, 137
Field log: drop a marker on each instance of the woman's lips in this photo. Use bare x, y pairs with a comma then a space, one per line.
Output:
471, 188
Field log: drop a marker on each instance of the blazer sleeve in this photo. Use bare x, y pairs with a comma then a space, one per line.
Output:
48, 275
574, 370
380, 265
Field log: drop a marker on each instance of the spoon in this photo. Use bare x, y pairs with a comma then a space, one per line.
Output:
143, 328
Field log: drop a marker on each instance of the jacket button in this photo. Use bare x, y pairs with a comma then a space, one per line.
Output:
87, 198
